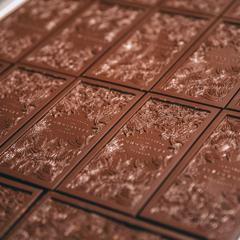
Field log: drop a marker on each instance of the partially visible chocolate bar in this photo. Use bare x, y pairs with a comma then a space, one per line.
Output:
27, 26
15, 198
74, 47
204, 6
203, 195
130, 165
211, 74
235, 102
145, 55
68, 130
23, 92
58, 217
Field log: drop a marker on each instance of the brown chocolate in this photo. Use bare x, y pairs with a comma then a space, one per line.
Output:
3, 66
55, 144
235, 103
54, 218
23, 92
211, 73
74, 47
234, 11
131, 164
15, 198
203, 194
144, 56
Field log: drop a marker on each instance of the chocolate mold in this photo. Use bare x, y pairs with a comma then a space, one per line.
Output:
202, 195
65, 132
15, 198
128, 166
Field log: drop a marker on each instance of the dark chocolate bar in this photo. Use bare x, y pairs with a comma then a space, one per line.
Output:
74, 47
136, 158
211, 73
145, 55
55, 144
15, 198
23, 92
203, 196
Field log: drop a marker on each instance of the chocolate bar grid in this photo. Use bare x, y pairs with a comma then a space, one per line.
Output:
166, 231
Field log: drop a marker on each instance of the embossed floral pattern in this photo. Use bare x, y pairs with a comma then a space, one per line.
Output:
21, 92
84, 38
55, 220
207, 6
127, 166
53, 143
213, 70
144, 56
206, 194
11, 203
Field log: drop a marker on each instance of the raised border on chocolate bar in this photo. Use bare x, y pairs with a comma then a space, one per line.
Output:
183, 60
5, 171
68, 80
89, 72
115, 217
106, 47
134, 211
164, 219
34, 192
235, 103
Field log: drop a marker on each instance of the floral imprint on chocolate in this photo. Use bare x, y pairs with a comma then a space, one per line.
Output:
54, 143
22, 92
206, 195
141, 59
212, 71
57, 220
125, 169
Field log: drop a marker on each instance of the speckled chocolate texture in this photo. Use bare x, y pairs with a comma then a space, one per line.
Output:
234, 12
21, 31
54, 143
126, 168
14, 200
205, 6
90, 32
205, 196
211, 74
144, 56
56, 220
21, 93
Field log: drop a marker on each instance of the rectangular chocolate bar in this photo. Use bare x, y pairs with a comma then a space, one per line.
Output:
202, 195
22, 30
85, 37
211, 7
128, 166
65, 132
144, 55
15, 198
23, 92
60, 217
235, 103
210, 72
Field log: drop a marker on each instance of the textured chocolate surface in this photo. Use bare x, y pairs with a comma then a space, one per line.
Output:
140, 153
14, 199
144, 2
21, 93
211, 74
141, 59
2, 67
56, 220
234, 12
205, 6
54, 143
45, 15
205, 196
72, 49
